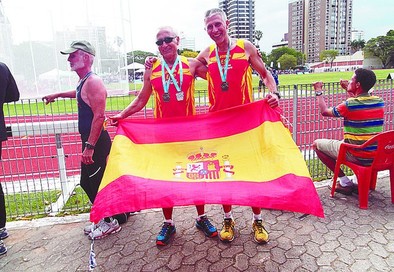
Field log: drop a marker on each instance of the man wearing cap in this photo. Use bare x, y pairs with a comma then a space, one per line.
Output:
91, 96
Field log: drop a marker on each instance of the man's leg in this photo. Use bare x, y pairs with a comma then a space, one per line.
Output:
327, 151
203, 223
227, 232
260, 233
168, 229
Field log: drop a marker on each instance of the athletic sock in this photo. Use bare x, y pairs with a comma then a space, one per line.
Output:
345, 181
228, 215
169, 221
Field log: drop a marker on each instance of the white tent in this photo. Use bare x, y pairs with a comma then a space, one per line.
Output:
133, 66
55, 74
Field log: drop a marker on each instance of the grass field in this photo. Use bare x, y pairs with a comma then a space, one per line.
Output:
299, 79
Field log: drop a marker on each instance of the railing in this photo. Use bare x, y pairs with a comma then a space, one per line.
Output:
41, 159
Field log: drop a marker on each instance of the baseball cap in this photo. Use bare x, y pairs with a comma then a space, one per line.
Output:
79, 45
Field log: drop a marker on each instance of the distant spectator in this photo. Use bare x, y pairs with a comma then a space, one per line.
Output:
275, 76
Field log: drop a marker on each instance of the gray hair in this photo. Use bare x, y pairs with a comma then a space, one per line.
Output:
169, 29
214, 11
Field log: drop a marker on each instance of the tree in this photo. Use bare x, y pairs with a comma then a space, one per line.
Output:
329, 56
139, 56
188, 53
258, 34
383, 48
357, 45
278, 52
287, 61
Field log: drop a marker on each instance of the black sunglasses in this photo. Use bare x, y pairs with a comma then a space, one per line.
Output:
166, 40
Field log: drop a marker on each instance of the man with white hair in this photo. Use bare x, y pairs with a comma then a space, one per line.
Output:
91, 96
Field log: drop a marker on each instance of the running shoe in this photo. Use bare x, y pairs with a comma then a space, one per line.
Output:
260, 233
3, 233
227, 232
167, 231
103, 229
205, 225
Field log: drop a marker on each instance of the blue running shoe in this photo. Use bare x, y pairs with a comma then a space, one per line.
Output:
167, 231
3, 233
3, 248
205, 225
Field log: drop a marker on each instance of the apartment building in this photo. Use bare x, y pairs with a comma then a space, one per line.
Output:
318, 25
241, 14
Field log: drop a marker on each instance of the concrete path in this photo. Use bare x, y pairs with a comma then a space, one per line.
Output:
347, 239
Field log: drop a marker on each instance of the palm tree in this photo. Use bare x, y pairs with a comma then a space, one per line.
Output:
258, 34
357, 45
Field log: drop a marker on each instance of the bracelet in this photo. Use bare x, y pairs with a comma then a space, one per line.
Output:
319, 93
89, 145
278, 94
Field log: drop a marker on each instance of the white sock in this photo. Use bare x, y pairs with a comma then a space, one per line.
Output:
345, 181
228, 215
199, 217
257, 216
169, 221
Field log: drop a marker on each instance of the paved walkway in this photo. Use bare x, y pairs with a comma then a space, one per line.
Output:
347, 239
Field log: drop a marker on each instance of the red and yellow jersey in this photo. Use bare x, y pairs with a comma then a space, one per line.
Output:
239, 78
173, 107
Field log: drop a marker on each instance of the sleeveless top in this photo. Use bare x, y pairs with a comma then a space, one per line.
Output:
85, 113
173, 107
239, 78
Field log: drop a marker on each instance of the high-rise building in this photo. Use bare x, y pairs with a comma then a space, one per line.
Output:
318, 25
240, 13
357, 35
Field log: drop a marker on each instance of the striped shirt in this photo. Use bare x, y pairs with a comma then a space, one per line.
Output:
363, 119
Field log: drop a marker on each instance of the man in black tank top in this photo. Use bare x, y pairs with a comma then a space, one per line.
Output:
91, 96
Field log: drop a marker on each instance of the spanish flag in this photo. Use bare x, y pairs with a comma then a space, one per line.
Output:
240, 156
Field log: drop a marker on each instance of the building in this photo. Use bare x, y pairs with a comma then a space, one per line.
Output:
187, 42
241, 14
318, 25
357, 35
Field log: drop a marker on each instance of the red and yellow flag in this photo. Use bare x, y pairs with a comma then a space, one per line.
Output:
239, 156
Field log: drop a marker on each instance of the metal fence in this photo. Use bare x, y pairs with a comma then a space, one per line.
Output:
41, 159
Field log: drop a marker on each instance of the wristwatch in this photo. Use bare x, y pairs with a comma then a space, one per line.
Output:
89, 145
318, 93
278, 94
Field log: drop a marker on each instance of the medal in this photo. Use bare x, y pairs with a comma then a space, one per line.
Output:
166, 97
179, 96
172, 79
223, 69
224, 86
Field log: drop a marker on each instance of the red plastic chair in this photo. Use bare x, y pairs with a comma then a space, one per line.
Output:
383, 159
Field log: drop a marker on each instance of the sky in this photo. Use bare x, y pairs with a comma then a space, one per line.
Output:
137, 21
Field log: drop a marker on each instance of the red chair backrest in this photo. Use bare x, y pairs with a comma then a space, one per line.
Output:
384, 156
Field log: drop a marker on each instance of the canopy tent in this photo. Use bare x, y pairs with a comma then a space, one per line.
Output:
133, 66
55, 74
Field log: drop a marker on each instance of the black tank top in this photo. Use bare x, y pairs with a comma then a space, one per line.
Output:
85, 113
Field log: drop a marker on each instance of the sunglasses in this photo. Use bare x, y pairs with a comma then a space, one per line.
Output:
166, 40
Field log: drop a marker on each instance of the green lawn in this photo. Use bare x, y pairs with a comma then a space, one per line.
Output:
27, 108
299, 79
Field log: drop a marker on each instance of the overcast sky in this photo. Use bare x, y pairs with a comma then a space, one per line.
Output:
139, 20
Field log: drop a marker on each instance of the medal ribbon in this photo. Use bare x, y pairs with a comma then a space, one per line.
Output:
166, 83
223, 70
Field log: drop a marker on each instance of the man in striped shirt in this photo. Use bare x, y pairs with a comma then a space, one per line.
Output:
363, 119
